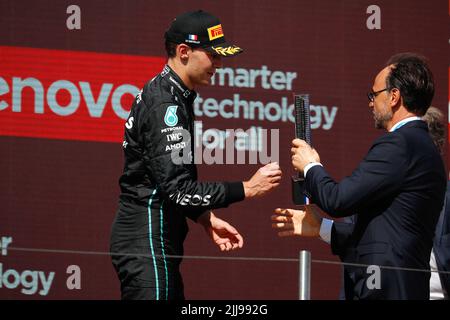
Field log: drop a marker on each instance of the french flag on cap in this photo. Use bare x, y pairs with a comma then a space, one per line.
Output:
193, 37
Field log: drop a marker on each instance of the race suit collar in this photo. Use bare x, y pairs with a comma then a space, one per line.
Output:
173, 78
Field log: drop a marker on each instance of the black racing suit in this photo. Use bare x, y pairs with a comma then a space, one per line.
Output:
158, 193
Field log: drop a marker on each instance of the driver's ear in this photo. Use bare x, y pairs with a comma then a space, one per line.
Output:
183, 51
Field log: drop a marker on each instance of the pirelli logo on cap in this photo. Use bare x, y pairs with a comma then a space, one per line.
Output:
215, 32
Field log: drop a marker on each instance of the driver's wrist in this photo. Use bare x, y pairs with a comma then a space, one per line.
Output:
248, 190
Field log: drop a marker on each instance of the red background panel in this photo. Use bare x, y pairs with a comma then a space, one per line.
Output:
93, 80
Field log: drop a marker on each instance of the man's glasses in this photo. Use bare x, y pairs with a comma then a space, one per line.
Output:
371, 95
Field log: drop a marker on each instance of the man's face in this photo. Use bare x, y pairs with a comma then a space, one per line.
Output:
201, 66
382, 112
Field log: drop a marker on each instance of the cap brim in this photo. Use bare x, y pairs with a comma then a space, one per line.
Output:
225, 50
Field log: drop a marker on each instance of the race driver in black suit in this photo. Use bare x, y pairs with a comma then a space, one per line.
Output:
159, 186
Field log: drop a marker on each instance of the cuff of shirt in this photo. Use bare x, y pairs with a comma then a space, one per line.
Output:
309, 166
325, 230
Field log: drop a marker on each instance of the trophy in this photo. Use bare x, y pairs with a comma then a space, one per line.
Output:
302, 131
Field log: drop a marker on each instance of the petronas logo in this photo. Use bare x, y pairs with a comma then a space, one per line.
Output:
171, 118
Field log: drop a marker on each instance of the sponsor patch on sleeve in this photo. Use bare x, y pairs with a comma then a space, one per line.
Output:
171, 118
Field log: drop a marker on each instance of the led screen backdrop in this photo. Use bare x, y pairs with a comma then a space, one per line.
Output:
68, 76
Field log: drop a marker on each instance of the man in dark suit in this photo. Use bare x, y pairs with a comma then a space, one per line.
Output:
397, 191
440, 254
